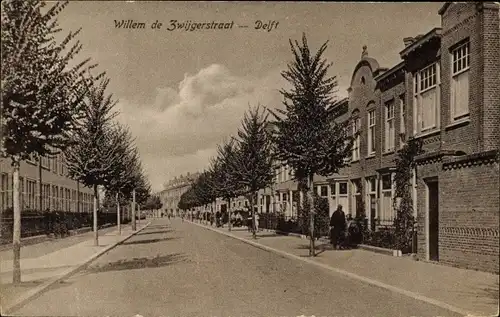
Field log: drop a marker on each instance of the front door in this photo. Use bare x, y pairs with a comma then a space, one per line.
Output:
433, 209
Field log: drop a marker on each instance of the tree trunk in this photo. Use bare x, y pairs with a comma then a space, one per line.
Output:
118, 215
229, 214
254, 224
96, 207
16, 237
311, 214
134, 227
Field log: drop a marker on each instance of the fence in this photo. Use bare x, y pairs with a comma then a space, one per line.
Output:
59, 223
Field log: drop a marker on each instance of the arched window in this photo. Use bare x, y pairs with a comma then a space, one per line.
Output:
363, 80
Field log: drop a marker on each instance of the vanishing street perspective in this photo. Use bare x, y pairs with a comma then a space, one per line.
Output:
249, 159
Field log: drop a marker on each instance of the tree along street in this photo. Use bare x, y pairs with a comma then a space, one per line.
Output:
179, 269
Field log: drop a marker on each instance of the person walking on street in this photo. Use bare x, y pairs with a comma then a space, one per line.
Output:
257, 222
337, 227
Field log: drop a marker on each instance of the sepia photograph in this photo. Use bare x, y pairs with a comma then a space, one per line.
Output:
249, 158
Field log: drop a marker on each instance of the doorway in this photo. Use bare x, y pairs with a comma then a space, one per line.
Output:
433, 218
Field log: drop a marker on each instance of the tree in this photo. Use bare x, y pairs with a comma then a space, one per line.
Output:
253, 163
121, 174
307, 137
403, 201
204, 190
41, 94
226, 182
95, 149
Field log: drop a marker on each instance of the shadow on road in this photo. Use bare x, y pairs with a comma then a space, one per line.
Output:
140, 263
149, 241
156, 227
153, 232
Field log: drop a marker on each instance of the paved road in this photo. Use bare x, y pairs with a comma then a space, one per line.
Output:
179, 269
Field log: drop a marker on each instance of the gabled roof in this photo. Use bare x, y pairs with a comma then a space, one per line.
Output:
434, 33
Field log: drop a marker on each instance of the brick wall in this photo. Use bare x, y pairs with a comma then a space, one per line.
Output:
490, 36
468, 217
460, 22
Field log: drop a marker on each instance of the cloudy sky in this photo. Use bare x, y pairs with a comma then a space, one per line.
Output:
181, 92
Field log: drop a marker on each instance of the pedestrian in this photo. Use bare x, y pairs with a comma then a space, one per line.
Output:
337, 227
349, 233
257, 222
249, 222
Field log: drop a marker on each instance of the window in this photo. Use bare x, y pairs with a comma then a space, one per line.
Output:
339, 195
5, 192
31, 193
22, 199
323, 191
402, 122
46, 196
31, 159
55, 202
54, 164
371, 132
460, 82
426, 98
45, 162
389, 126
387, 211
371, 183
61, 199
357, 204
355, 147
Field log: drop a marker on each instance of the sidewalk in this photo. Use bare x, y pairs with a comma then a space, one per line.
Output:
470, 291
38, 272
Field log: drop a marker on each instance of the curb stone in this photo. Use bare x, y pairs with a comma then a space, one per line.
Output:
349, 274
31, 294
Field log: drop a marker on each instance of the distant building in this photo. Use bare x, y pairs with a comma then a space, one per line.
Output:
173, 189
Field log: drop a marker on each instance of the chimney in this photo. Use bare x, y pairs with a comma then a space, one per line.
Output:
188, 174
408, 41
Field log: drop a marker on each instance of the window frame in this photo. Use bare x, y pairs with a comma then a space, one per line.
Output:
389, 119
356, 127
455, 74
372, 122
418, 129
402, 120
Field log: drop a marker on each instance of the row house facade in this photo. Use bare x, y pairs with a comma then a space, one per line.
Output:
44, 186
445, 92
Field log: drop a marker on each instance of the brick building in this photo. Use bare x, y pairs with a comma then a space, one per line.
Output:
48, 181
446, 92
